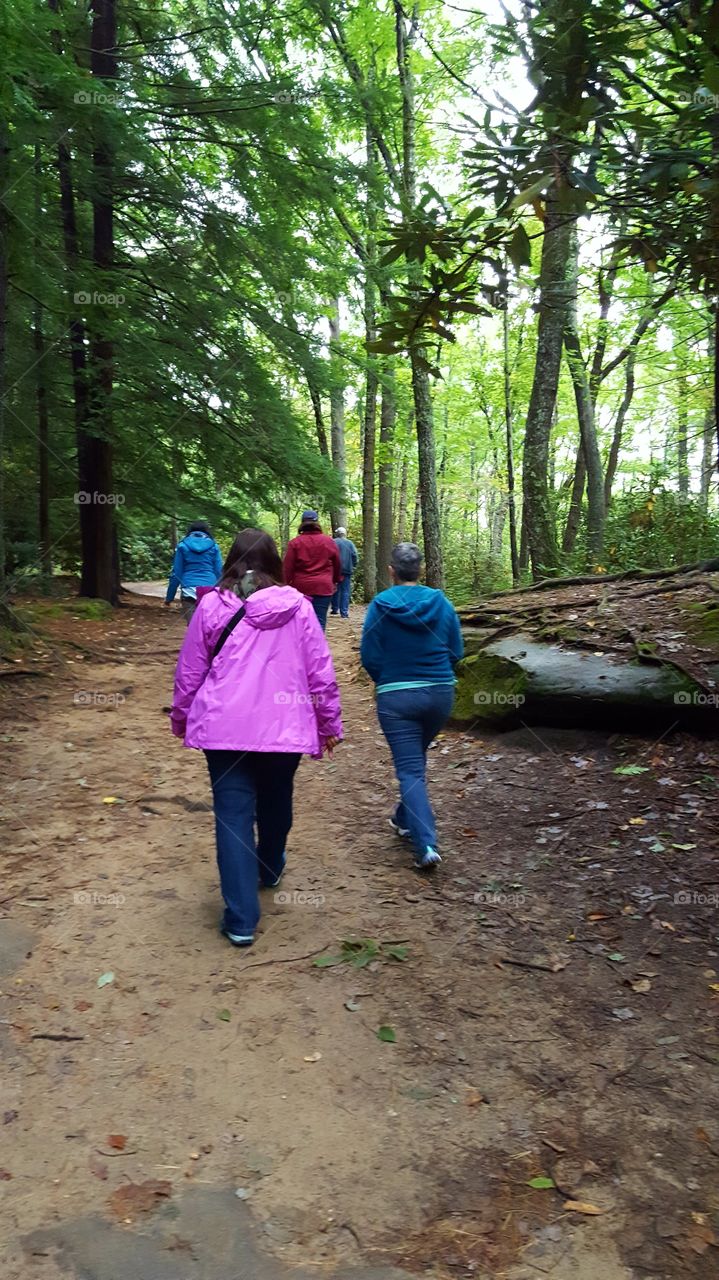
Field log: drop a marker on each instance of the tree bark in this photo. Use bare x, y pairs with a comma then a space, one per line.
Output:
4, 281
615, 447
417, 514
401, 525
100, 576
369, 419
682, 427
708, 445
43, 431
388, 415
552, 306
509, 444
434, 570
585, 412
337, 412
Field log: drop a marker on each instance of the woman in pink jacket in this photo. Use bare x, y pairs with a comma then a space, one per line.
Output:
255, 688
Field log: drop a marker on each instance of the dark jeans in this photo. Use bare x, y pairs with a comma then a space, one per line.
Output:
410, 720
188, 606
249, 787
321, 604
341, 597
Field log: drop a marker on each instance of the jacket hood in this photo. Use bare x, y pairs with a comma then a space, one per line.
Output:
198, 541
414, 607
272, 607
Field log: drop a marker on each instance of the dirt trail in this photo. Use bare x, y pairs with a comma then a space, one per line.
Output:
562, 1025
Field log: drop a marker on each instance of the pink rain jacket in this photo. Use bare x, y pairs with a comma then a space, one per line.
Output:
272, 687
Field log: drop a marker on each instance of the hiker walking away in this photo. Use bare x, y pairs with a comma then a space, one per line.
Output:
348, 564
411, 644
197, 563
312, 564
255, 689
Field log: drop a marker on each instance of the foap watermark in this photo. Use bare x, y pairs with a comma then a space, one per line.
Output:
700, 98
286, 698
94, 698
498, 898
90, 898
691, 898
696, 699
298, 898
95, 499
92, 98
83, 298
494, 697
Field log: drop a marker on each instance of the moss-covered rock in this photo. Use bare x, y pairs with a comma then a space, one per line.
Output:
490, 689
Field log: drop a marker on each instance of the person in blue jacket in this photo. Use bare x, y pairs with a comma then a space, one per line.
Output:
197, 563
348, 564
411, 644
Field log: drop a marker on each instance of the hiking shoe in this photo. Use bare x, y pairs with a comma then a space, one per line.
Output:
428, 860
239, 939
398, 830
272, 884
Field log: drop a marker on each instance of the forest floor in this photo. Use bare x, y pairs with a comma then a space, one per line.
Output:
209, 1114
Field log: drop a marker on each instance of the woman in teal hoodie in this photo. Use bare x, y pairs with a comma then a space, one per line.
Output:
197, 563
411, 644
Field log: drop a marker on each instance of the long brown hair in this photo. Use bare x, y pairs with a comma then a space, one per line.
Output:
253, 550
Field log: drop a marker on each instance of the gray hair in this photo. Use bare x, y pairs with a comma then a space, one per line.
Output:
406, 560
340, 531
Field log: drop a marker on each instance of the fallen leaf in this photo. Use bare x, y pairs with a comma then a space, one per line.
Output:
117, 1141
641, 986
112, 800
351, 1006
4, 1175
541, 1183
313, 1057
597, 915
134, 1198
473, 1097
82, 1005
637, 822
581, 1206
616, 956
224, 1015
105, 979
387, 1035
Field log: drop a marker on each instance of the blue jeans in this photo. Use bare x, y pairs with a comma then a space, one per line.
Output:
410, 720
321, 604
341, 597
249, 787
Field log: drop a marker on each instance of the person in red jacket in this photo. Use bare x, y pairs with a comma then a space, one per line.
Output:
312, 564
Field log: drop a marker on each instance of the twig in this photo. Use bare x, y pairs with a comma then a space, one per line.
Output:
286, 959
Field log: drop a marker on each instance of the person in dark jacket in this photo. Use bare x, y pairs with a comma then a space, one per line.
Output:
312, 564
411, 644
348, 564
197, 563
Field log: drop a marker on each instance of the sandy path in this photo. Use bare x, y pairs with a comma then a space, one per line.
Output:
228, 1070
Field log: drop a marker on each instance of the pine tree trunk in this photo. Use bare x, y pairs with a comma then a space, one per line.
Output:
417, 514
682, 428
369, 419
384, 510
43, 431
574, 515
434, 572
585, 412
552, 306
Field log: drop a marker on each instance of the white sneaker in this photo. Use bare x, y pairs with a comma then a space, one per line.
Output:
398, 830
428, 860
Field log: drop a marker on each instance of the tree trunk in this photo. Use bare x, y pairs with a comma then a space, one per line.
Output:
682, 427
708, 445
615, 447
552, 306
337, 411
386, 437
320, 429
4, 279
417, 514
401, 525
509, 442
369, 420
574, 515
434, 573
43, 433
585, 412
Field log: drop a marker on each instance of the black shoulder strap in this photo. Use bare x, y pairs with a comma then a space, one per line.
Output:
227, 631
